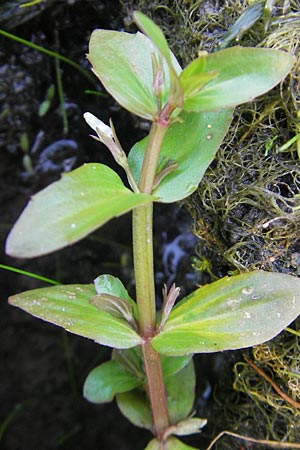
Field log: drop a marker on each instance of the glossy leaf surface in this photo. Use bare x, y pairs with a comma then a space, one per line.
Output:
231, 313
108, 284
123, 63
69, 307
192, 144
107, 380
243, 74
69, 209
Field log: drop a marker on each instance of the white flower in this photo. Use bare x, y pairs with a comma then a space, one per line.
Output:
97, 125
108, 137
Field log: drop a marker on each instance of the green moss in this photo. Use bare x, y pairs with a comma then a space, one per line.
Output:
247, 208
268, 414
247, 215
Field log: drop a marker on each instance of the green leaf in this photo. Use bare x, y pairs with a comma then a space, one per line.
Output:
135, 406
231, 313
154, 444
107, 380
123, 63
113, 295
69, 209
193, 78
180, 388
44, 108
181, 393
69, 307
154, 33
196, 67
173, 364
243, 73
191, 425
245, 21
195, 83
192, 144
171, 444
131, 361
107, 284
116, 306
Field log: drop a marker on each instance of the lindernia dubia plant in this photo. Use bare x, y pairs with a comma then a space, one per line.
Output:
151, 373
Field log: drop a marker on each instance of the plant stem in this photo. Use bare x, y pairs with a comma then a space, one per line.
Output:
144, 277
145, 294
156, 389
143, 266
143, 235
156, 136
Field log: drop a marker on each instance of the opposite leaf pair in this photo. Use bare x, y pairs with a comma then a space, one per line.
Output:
88, 197
227, 314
